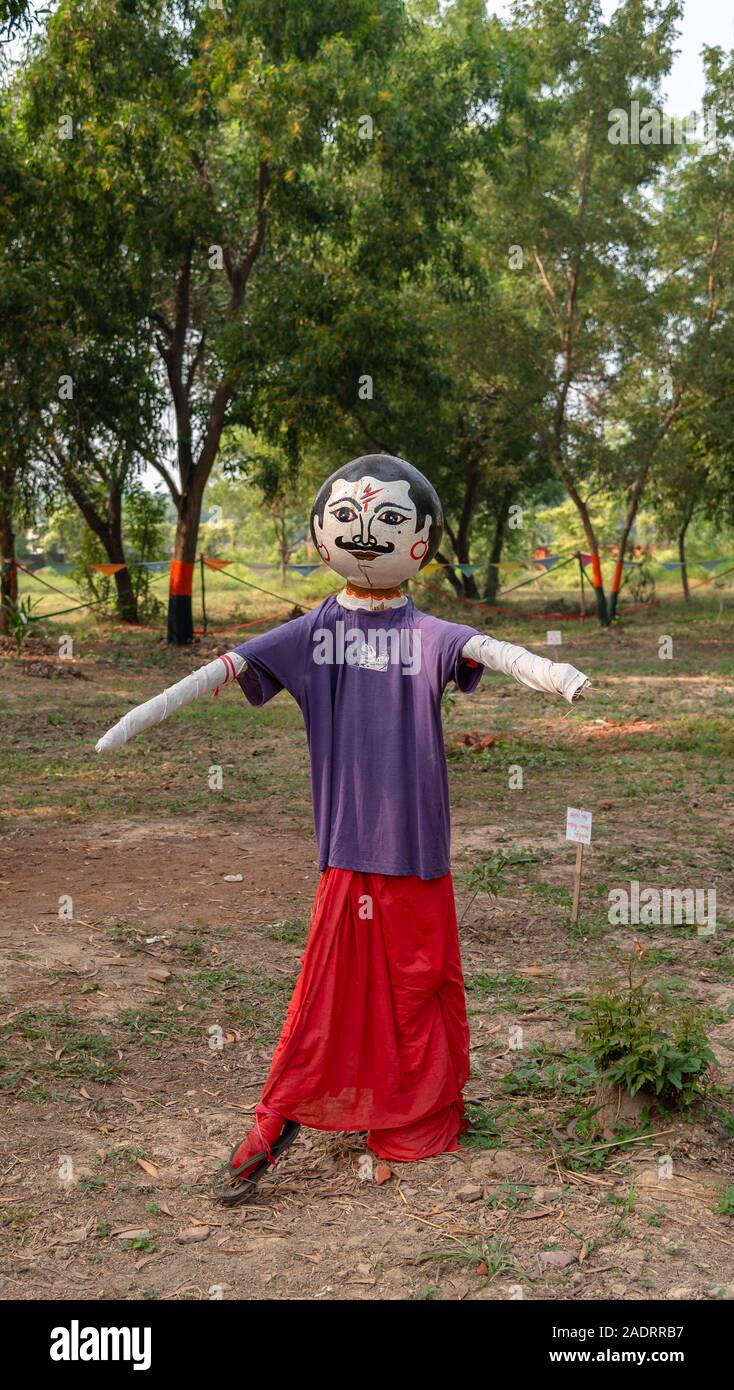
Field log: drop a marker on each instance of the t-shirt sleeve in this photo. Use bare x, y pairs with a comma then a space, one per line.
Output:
276, 661
452, 638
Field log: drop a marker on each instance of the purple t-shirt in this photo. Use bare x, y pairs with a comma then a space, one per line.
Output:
369, 686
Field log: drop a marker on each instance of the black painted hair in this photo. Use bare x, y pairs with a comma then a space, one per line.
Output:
389, 469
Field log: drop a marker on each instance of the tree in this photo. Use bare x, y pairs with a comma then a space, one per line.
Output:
80, 393
573, 217
16, 18
208, 131
19, 349
690, 312
93, 438
369, 327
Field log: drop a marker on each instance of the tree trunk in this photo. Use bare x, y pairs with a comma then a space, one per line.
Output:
8, 568
461, 542
280, 529
108, 530
127, 602
682, 555
602, 611
180, 601
492, 582
629, 521
451, 575
172, 345
194, 478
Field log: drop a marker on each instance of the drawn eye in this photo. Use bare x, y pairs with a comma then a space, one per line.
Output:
392, 518
344, 514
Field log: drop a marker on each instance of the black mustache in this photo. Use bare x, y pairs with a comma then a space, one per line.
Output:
360, 546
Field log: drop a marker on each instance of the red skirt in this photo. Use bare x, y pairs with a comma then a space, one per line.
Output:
376, 1034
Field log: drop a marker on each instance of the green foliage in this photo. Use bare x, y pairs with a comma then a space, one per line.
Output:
641, 1039
146, 538
215, 234
542, 1072
72, 1053
20, 617
19, 1215
483, 1131
486, 874
725, 1204
99, 588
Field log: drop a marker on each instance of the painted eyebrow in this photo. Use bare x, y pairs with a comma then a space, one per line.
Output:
393, 507
339, 502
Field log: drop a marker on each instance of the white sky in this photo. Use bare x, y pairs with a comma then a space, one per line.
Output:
704, 22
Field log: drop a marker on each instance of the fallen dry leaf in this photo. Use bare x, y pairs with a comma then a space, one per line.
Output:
74, 1237
149, 1168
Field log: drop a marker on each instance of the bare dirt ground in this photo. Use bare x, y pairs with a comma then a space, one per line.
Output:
150, 934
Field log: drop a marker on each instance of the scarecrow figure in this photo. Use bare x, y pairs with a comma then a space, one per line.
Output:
376, 1035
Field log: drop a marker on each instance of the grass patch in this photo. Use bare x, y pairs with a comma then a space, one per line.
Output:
61, 1048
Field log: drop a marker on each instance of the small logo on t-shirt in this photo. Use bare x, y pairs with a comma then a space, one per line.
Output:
375, 650
371, 659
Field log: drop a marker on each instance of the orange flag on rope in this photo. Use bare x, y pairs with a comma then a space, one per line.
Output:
216, 564
106, 569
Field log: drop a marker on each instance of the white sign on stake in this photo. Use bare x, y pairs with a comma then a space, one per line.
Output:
578, 828
554, 638
578, 825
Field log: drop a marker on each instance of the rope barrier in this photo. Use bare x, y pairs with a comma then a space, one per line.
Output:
248, 583
59, 612
38, 580
461, 598
237, 627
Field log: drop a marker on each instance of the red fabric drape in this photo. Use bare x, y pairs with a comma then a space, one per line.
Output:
376, 1035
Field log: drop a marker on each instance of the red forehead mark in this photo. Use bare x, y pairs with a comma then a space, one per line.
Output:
369, 494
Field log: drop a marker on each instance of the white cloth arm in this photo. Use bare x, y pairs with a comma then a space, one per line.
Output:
557, 677
220, 672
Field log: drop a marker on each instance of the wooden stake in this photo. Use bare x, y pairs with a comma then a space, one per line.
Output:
583, 591
203, 591
577, 883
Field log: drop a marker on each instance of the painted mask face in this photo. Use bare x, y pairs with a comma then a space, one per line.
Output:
369, 534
